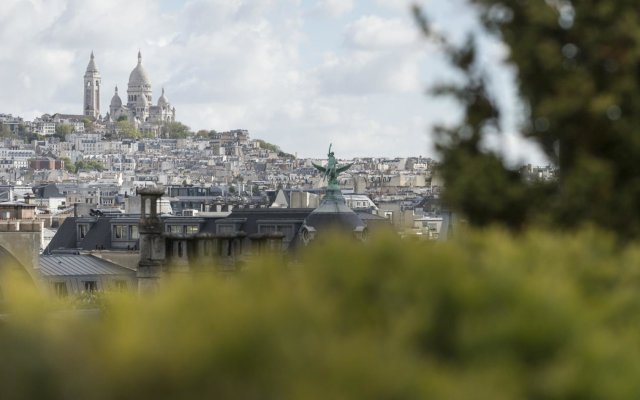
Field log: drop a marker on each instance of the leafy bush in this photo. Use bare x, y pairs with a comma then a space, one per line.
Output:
484, 316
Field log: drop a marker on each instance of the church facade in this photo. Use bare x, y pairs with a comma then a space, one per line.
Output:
138, 108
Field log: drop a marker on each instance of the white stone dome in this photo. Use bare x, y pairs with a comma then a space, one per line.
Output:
162, 100
138, 76
116, 101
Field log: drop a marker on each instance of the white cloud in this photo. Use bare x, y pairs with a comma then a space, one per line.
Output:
372, 32
361, 73
229, 64
334, 8
381, 55
397, 5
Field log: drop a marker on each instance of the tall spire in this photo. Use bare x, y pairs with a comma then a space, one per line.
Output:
139, 57
116, 89
92, 64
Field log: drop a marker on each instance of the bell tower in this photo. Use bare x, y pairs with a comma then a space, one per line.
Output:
92, 82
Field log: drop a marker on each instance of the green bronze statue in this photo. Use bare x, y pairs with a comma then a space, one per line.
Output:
332, 170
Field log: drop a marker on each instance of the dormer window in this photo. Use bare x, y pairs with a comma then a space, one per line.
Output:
83, 229
118, 231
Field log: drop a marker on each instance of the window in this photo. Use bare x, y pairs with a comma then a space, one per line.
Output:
60, 289
82, 230
133, 232
118, 231
90, 286
175, 229
191, 229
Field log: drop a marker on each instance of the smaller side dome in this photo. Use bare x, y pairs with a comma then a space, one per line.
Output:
116, 101
142, 101
162, 100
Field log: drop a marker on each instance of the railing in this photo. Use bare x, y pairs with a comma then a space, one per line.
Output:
21, 226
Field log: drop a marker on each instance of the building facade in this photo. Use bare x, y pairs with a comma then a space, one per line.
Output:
138, 108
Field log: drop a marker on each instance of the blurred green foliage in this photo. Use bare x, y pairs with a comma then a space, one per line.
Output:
88, 165
577, 77
176, 130
484, 316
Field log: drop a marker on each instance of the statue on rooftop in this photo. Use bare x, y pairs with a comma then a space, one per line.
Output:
332, 169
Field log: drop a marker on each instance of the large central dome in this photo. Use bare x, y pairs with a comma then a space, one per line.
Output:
138, 76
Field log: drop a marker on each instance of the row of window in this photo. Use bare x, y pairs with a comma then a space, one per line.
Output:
60, 288
131, 232
185, 229
134, 97
125, 232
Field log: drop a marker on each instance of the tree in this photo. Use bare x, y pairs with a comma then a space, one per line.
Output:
405, 320
63, 129
176, 130
68, 164
88, 124
5, 132
577, 76
268, 146
127, 129
89, 165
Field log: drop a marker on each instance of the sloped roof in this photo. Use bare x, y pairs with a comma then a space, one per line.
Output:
99, 236
75, 265
65, 237
48, 191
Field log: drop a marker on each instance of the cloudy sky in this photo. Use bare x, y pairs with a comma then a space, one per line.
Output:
298, 73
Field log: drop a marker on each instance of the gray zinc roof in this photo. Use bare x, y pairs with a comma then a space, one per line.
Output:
76, 265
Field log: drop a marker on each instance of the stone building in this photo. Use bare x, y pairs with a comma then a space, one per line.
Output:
92, 82
157, 245
138, 108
